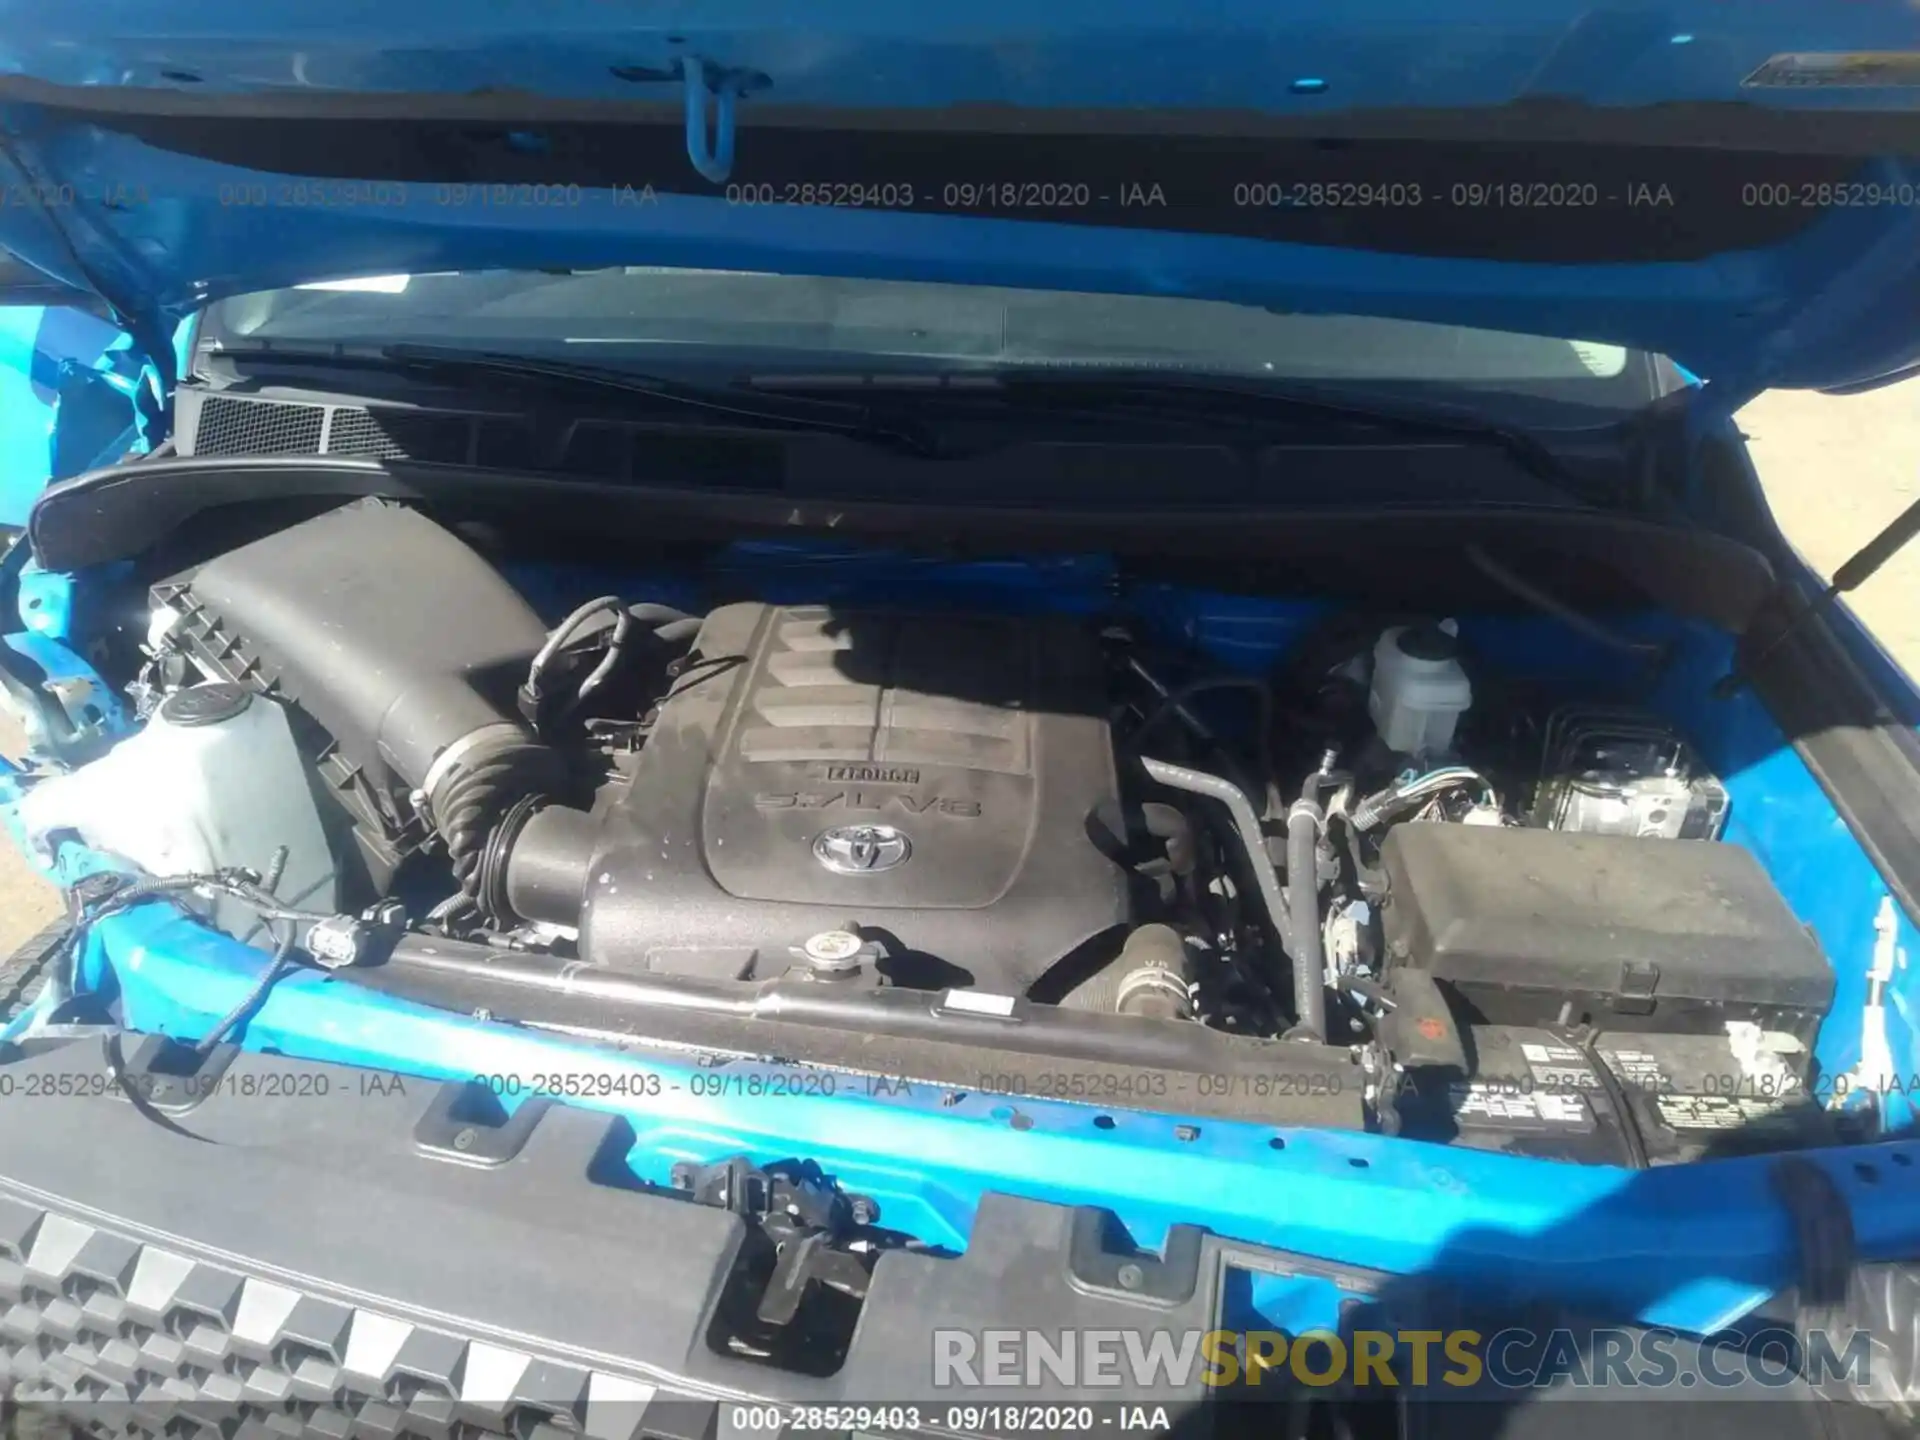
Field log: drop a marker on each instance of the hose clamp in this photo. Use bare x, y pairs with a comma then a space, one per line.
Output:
449, 759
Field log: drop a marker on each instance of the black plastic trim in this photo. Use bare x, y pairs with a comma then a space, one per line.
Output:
115, 514
1858, 742
451, 1132
1128, 1062
1863, 755
280, 1220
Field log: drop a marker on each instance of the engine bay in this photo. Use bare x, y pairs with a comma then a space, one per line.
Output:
1447, 900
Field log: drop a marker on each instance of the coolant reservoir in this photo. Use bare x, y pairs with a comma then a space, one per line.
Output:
214, 780
1419, 690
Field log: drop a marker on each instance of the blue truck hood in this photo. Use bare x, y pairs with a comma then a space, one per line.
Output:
1735, 186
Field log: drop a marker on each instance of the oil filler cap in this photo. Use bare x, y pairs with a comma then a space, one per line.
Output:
205, 704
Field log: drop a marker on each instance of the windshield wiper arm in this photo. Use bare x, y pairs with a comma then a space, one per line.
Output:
448, 362
1191, 400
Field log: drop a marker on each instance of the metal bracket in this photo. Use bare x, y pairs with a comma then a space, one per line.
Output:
1639, 980
793, 1197
806, 1221
711, 156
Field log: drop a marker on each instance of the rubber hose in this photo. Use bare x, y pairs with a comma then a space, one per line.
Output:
1148, 978
616, 649
670, 627
558, 637
1246, 825
1174, 702
1558, 609
1304, 822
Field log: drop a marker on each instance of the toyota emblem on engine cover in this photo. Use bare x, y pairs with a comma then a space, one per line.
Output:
861, 849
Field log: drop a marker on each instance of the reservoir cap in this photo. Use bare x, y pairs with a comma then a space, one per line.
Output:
205, 704
1431, 643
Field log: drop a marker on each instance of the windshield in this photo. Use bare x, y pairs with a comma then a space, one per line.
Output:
710, 315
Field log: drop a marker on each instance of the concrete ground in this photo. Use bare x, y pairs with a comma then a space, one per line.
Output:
1836, 470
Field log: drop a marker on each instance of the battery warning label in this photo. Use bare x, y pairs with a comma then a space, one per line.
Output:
1637, 1069
1718, 1112
1503, 1104
1559, 1067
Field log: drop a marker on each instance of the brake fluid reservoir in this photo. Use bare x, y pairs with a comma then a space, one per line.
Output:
214, 780
1419, 689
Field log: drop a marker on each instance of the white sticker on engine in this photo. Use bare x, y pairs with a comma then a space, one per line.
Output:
977, 1002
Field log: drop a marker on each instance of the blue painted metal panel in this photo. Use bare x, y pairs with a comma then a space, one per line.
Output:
1695, 1247
1830, 307
1225, 54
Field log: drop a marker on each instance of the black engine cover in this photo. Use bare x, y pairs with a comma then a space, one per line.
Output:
930, 777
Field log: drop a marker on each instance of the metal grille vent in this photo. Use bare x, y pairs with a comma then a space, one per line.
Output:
245, 427
600, 449
400, 435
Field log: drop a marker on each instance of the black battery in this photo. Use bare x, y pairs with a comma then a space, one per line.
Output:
1693, 1097
1526, 1092
1540, 1093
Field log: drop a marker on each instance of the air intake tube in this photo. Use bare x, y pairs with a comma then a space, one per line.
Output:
474, 784
429, 672
403, 643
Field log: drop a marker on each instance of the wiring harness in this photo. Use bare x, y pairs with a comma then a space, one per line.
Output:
332, 941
